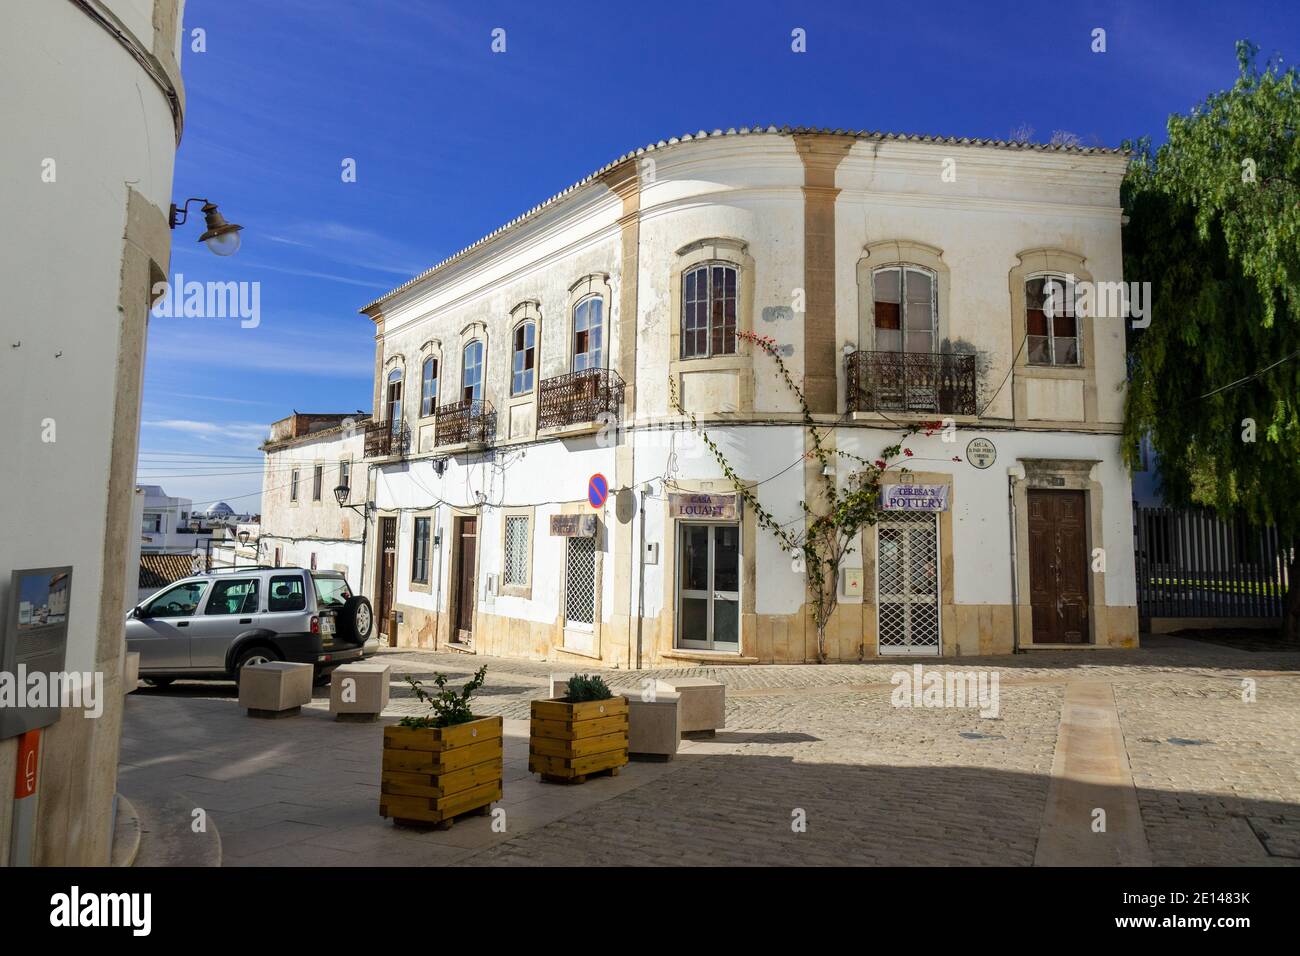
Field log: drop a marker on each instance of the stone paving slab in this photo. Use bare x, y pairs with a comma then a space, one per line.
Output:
816, 766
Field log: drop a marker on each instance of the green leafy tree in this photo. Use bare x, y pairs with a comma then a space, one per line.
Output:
1214, 225
835, 516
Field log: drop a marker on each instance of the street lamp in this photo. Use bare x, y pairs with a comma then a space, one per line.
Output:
221, 237
341, 496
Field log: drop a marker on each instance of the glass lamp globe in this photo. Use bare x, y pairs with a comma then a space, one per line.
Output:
225, 244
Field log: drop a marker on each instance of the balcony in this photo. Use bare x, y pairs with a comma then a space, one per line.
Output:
471, 424
579, 398
383, 440
917, 382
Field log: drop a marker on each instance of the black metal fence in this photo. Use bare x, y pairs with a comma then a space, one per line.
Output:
465, 422
941, 382
579, 397
1191, 563
383, 439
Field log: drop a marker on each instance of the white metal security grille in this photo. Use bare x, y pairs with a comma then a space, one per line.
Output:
907, 583
580, 581
516, 569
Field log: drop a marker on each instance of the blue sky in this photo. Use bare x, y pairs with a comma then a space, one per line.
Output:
451, 140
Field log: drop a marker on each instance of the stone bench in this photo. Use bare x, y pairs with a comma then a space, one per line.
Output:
704, 705
131, 672
359, 692
653, 721
275, 689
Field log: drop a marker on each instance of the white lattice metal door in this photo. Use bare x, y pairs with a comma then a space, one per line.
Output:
580, 594
907, 583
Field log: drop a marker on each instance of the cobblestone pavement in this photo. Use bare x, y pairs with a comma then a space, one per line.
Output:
816, 767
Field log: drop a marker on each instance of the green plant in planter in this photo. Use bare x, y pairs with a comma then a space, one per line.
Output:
447, 707
584, 687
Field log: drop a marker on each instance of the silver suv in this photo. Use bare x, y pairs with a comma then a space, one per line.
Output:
210, 625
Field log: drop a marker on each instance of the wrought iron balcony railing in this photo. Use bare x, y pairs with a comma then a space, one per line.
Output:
940, 382
579, 397
383, 439
465, 422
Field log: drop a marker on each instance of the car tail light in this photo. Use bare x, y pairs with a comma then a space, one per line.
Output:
315, 624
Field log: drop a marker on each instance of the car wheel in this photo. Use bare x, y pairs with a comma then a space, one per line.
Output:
160, 681
356, 620
258, 654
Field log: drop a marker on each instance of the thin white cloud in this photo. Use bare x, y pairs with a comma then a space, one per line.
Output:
260, 353
239, 431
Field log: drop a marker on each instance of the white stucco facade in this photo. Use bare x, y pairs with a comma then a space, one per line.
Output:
805, 221
87, 157
302, 525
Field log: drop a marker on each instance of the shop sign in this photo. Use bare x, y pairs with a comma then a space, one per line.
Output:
713, 507
914, 497
573, 526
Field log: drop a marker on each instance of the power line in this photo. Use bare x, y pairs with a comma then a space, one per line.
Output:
1253, 375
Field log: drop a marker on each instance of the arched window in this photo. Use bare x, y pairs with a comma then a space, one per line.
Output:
471, 372
589, 334
906, 316
524, 358
429, 387
394, 402
1051, 320
709, 310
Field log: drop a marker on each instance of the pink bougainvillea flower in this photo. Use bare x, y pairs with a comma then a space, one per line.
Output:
907, 452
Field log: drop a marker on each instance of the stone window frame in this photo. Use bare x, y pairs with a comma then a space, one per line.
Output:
473, 330
294, 497
1070, 284
527, 310
592, 285
394, 362
887, 253
727, 250
346, 459
422, 587
431, 349
317, 488
515, 325
1049, 261
524, 590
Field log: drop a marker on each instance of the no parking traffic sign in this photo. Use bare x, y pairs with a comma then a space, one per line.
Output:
597, 490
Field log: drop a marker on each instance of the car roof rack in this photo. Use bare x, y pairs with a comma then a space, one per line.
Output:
254, 567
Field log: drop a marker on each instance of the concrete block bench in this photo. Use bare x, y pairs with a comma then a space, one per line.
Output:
653, 726
359, 692
704, 705
131, 672
275, 689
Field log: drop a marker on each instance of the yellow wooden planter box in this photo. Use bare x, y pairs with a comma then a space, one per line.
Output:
567, 742
432, 775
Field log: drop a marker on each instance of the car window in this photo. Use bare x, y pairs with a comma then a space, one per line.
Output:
234, 597
286, 594
331, 591
180, 601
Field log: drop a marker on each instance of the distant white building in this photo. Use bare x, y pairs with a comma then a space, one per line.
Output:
303, 524
165, 525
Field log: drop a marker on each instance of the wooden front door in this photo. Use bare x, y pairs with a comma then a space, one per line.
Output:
1058, 566
462, 627
387, 576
